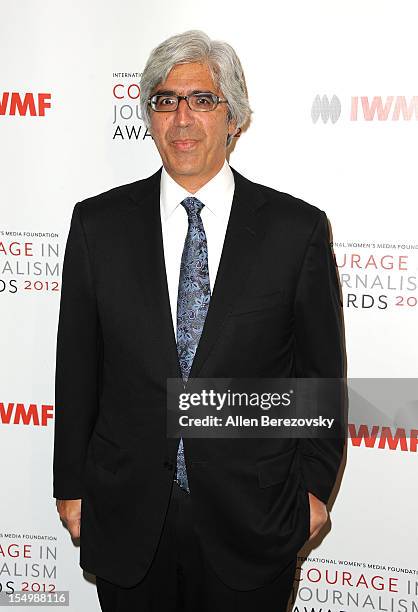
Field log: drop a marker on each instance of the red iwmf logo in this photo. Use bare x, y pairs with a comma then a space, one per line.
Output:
366, 108
390, 108
14, 103
19, 414
383, 437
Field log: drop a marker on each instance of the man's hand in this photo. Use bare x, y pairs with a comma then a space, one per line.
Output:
70, 513
319, 515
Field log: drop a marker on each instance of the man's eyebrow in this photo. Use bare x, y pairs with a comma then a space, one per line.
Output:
165, 92
170, 92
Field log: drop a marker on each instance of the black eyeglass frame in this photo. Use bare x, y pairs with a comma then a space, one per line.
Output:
216, 100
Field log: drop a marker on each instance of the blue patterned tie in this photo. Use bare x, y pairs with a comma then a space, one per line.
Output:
192, 303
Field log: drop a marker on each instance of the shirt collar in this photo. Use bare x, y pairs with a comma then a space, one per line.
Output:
213, 194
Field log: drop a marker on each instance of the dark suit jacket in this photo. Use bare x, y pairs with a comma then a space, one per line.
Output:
274, 312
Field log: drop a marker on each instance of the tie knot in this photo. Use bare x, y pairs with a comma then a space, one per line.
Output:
193, 206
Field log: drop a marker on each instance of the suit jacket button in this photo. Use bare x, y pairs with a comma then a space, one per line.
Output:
169, 465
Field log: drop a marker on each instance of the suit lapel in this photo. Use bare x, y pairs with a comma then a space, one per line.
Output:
243, 235
147, 242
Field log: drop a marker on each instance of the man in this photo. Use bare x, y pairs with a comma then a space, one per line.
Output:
195, 524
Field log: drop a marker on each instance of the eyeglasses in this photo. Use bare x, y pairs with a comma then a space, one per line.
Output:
202, 102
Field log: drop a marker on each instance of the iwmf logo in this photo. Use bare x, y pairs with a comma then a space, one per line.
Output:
364, 108
14, 103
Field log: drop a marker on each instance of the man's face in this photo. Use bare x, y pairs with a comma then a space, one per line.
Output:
192, 144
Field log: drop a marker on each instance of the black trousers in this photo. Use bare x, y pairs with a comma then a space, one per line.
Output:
180, 579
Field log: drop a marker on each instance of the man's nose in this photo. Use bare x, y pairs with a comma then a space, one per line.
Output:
184, 116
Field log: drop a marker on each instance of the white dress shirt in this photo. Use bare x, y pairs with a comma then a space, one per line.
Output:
216, 195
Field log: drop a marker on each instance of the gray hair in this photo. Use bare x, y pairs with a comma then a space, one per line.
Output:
196, 46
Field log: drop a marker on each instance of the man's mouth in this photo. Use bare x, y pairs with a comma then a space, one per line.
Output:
184, 144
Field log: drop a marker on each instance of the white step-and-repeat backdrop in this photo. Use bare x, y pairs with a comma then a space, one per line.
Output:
342, 135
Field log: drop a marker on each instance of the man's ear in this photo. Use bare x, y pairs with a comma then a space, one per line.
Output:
232, 128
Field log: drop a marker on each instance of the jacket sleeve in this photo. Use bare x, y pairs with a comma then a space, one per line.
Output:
78, 354
319, 351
